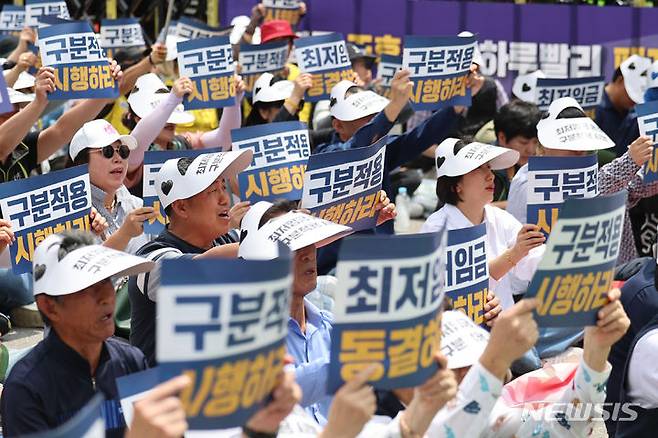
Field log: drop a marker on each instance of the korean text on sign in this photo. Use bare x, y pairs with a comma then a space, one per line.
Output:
588, 92
551, 180
12, 19
387, 309
576, 272
282, 10
192, 29
281, 152
467, 274
386, 69
647, 120
223, 323
124, 32
42, 205
81, 67
37, 8
439, 67
153, 161
208, 62
343, 186
256, 59
325, 58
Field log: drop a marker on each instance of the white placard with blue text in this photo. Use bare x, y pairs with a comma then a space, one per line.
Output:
256, 59
647, 120
37, 8
588, 92
121, 33
12, 19
190, 28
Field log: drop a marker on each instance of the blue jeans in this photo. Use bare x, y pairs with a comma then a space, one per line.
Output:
15, 290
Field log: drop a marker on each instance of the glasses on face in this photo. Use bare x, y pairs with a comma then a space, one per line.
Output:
109, 150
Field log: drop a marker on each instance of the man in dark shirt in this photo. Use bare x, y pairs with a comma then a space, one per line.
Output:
615, 115
196, 201
79, 357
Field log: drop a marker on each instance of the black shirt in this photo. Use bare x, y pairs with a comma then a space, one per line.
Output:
53, 382
142, 289
22, 161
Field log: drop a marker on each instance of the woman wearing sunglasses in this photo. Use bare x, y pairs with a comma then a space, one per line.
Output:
465, 183
100, 146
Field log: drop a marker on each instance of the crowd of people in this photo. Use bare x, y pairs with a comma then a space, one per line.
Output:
476, 160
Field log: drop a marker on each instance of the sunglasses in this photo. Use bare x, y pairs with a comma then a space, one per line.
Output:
109, 150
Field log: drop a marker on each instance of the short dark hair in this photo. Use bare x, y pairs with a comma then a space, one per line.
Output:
446, 186
571, 113
517, 119
279, 208
617, 74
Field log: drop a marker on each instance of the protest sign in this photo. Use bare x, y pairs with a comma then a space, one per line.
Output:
208, 62
121, 33
12, 19
191, 28
467, 273
386, 69
325, 57
387, 308
647, 120
256, 59
575, 275
133, 387
282, 10
42, 205
588, 92
281, 151
439, 68
37, 8
551, 180
344, 186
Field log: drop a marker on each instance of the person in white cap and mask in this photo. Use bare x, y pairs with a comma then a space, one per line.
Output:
98, 145
620, 174
21, 150
154, 112
79, 357
277, 100
194, 196
615, 114
465, 184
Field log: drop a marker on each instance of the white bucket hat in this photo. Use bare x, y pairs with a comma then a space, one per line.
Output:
525, 86
462, 341
473, 155
173, 183
147, 94
97, 134
355, 106
56, 275
635, 71
295, 229
266, 91
577, 134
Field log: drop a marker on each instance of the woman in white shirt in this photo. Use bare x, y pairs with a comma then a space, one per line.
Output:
466, 185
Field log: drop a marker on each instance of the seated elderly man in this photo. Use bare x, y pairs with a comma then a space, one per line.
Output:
78, 358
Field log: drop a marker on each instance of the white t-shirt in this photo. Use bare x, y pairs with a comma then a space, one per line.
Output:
502, 230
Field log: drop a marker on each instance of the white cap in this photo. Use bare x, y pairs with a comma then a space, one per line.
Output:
172, 46
18, 97
635, 71
653, 75
525, 86
356, 106
265, 91
462, 341
173, 183
95, 135
477, 56
576, 134
57, 275
295, 229
25, 80
473, 155
252, 245
147, 94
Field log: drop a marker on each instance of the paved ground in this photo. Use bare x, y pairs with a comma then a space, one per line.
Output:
20, 338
